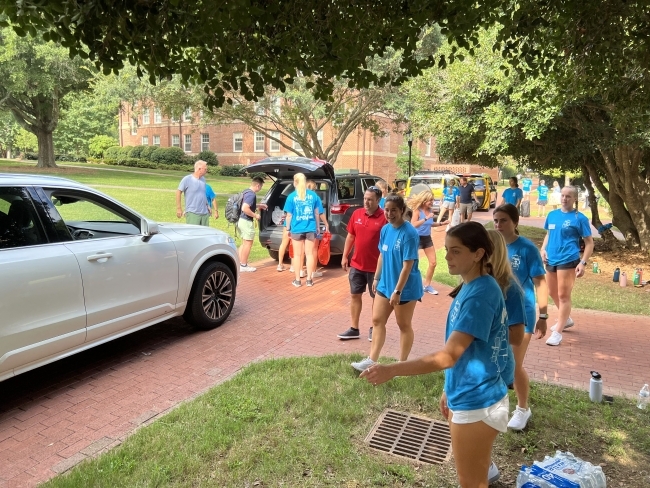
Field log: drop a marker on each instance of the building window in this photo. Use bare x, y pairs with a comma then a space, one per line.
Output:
274, 146
157, 116
319, 137
205, 142
187, 115
188, 143
145, 117
156, 141
259, 142
145, 140
176, 140
134, 126
428, 149
296, 144
238, 141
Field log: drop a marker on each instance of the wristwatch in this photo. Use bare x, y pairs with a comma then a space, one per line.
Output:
583, 262
397, 292
543, 316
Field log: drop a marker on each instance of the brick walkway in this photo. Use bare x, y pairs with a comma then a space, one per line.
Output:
56, 416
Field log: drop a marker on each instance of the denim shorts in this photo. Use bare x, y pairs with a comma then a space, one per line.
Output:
303, 236
403, 302
570, 265
426, 242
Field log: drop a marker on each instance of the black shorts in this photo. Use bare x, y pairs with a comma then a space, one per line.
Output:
360, 280
570, 265
303, 236
426, 242
402, 302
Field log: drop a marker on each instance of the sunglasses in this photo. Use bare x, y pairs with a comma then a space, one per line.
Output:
375, 189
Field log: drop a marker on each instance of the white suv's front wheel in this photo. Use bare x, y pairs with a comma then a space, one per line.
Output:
212, 297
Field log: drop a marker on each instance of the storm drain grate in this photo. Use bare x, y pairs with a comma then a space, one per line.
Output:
411, 437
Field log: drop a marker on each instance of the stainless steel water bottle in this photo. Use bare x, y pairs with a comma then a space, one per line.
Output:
596, 387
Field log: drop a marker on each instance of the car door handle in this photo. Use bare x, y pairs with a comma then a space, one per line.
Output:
101, 257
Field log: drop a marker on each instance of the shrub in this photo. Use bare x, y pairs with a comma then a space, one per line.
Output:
124, 152
136, 152
187, 159
146, 152
30, 156
234, 170
209, 157
168, 155
112, 152
98, 144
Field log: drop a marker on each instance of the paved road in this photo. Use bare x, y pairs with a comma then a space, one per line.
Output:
54, 417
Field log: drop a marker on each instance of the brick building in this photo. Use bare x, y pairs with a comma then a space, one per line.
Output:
236, 143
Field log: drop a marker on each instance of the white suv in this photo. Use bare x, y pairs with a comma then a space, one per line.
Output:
78, 268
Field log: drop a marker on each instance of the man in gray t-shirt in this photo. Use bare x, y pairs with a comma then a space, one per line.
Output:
196, 203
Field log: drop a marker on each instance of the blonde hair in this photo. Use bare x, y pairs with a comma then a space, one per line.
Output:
300, 184
574, 191
312, 185
383, 186
420, 199
501, 269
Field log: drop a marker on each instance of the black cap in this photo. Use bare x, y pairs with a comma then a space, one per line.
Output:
595, 375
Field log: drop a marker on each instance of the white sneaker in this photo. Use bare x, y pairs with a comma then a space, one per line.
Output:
303, 273
519, 418
568, 325
317, 274
363, 365
555, 339
291, 269
280, 267
244, 268
493, 473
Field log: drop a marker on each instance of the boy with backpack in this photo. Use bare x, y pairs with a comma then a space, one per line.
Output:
247, 217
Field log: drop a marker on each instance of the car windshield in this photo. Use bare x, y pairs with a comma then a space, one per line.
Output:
435, 182
479, 182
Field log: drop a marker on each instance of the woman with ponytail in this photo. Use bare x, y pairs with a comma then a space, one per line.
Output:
475, 356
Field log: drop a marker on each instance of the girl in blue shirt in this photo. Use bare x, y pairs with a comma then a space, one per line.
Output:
512, 195
561, 253
422, 220
397, 283
542, 198
527, 266
475, 397
450, 200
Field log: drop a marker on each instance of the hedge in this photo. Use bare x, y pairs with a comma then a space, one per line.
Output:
167, 155
136, 152
146, 152
209, 157
234, 170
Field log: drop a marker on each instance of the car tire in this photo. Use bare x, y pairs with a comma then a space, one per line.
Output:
212, 297
274, 254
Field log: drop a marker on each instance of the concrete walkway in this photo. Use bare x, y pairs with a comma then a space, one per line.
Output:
58, 415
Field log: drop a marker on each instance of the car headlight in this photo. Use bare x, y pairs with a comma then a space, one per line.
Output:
232, 243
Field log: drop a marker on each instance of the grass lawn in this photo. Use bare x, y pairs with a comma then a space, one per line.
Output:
302, 421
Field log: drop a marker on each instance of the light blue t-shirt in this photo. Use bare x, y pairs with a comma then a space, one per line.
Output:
209, 195
542, 192
425, 228
526, 263
382, 202
476, 381
516, 315
195, 199
303, 219
527, 184
564, 232
450, 193
511, 195
396, 246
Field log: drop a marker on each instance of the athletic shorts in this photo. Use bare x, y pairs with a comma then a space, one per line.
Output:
542, 202
403, 302
570, 265
466, 208
247, 229
197, 219
449, 205
360, 280
426, 242
496, 416
303, 236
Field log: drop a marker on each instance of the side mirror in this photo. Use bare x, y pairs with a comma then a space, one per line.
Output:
148, 228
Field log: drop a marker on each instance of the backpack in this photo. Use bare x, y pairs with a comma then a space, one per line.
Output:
233, 206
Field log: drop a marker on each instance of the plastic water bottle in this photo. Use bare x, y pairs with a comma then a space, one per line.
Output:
623, 279
596, 387
562, 470
644, 397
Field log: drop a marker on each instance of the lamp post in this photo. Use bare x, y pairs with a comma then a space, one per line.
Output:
409, 138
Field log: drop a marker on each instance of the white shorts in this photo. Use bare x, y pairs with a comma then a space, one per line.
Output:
496, 416
449, 205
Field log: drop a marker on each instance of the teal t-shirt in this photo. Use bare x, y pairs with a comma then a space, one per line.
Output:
542, 192
511, 195
526, 184
476, 381
451, 193
564, 232
526, 263
516, 315
303, 219
396, 246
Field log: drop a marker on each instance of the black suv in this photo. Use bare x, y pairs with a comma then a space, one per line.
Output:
341, 194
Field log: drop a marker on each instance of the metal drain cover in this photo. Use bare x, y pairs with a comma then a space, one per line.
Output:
411, 437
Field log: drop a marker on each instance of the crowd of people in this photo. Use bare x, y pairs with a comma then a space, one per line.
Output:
500, 303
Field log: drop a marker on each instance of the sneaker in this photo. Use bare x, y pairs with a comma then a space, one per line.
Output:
280, 267
291, 269
493, 473
317, 274
245, 268
363, 365
370, 335
431, 290
519, 418
569, 324
555, 339
302, 273
351, 333
310, 282
296, 283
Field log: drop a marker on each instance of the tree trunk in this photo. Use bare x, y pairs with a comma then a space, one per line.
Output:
608, 236
45, 149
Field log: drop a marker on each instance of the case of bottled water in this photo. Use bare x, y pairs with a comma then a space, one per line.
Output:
563, 470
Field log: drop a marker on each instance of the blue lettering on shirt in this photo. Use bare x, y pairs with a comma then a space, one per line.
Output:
303, 219
542, 191
450, 193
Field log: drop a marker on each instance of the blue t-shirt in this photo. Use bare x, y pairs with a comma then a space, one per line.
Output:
382, 202
542, 192
396, 246
516, 315
250, 198
450, 193
425, 228
526, 263
303, 219
195, 199
527, 184
564, 232
511, 195
475, 380
209, 194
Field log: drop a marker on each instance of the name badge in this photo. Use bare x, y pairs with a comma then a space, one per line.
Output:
551, 226
384, 247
